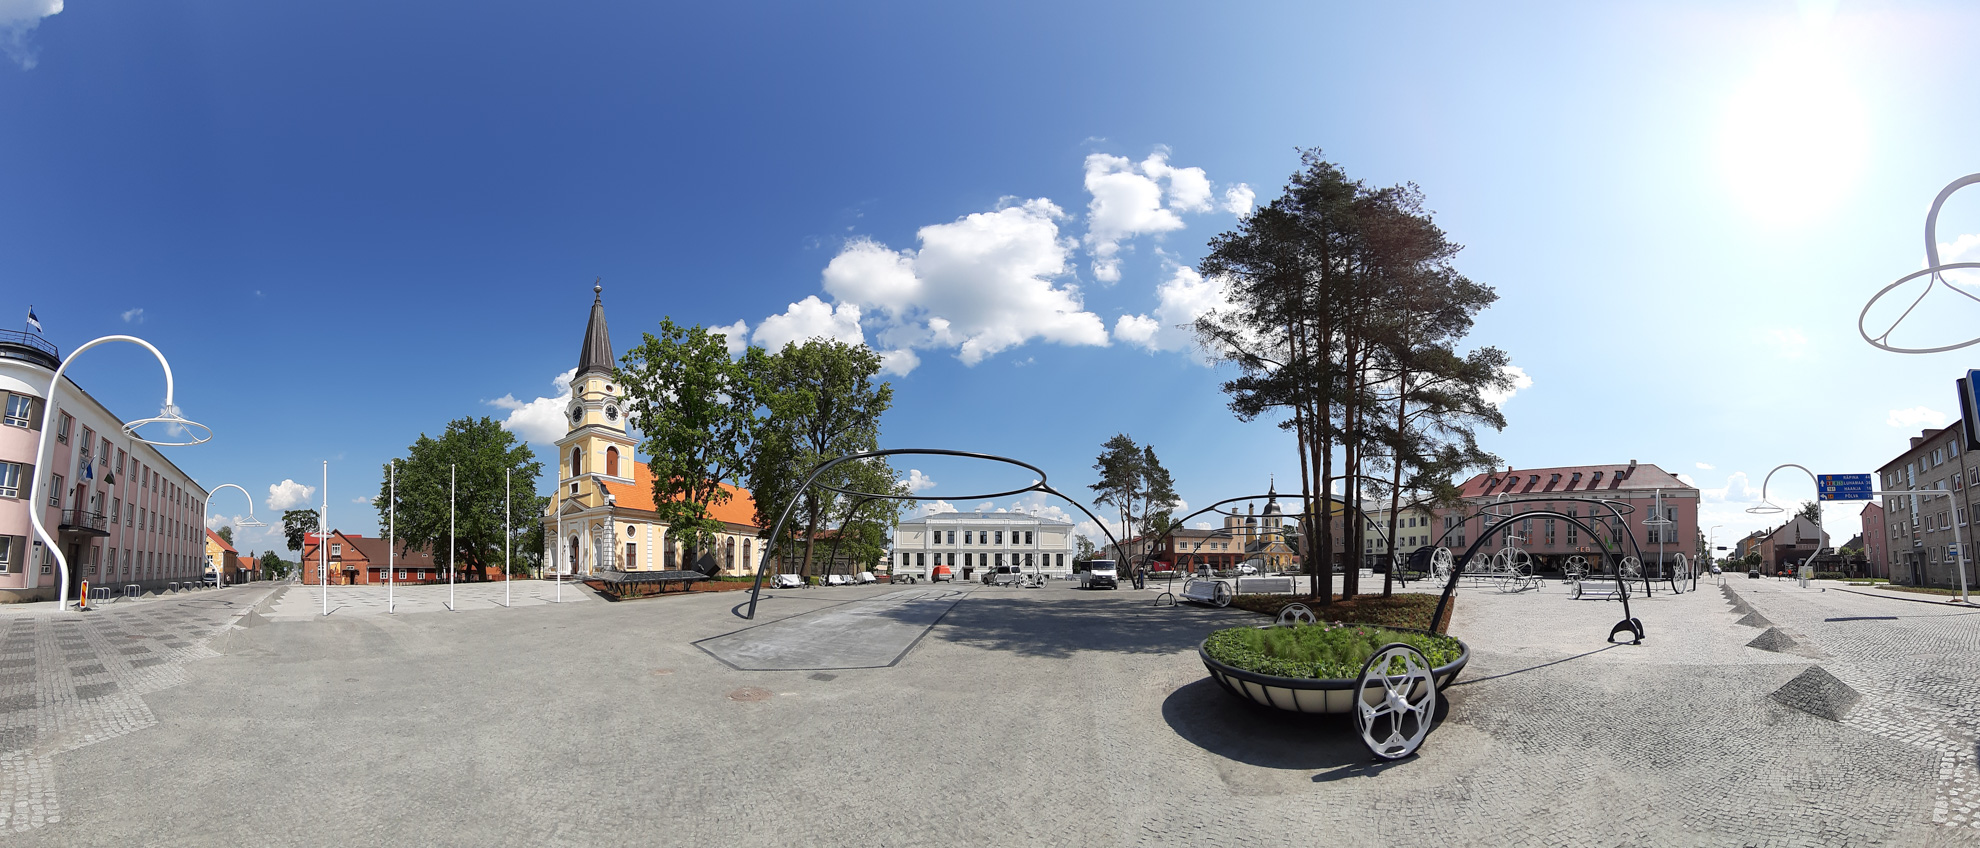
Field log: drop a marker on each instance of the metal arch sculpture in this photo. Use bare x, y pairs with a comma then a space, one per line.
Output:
1934, 272
1629, 624
776, 539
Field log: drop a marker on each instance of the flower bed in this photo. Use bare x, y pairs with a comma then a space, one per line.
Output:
1313, 668
1408, 610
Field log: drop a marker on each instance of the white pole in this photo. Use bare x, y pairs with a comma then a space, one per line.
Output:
556, 572
506, 539
450, 538
323, 542
392, 540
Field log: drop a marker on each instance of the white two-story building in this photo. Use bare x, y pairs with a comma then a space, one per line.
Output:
971, 542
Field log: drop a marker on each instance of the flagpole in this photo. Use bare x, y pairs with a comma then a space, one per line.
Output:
506, 537
323, 542
392, 542
450, 539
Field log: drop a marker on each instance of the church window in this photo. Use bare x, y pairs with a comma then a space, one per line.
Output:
577, 461
611, 462
632, 554
746, 551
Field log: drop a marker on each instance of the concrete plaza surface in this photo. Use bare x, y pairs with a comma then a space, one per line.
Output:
1006, 716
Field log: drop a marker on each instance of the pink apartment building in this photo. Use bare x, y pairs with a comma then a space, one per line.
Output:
1640, 492
121, 512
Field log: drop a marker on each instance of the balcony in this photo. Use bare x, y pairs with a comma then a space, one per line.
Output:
15, 344
85, 522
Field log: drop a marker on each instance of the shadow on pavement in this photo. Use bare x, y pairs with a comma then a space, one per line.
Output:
1206, 716
1060, 627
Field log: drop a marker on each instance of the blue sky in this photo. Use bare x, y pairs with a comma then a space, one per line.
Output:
349, 223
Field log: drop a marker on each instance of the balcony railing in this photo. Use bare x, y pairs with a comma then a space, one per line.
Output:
84, 520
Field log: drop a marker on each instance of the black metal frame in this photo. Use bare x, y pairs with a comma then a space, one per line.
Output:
776, 539
1629, 624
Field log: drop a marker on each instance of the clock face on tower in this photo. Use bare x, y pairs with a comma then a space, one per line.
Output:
577, 414
611, 413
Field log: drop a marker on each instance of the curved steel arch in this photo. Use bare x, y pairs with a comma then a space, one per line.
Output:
1933, 269
1629, 624
776, 540
1617, 509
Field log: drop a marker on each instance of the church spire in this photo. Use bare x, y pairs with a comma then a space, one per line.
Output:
597, 353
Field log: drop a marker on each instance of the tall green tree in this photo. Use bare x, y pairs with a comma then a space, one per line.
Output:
274, 566
820, 400
226, 534
297, 524
1135, 484
696, 408
1811, 511
477, 451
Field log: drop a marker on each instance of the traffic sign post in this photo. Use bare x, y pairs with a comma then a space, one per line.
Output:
1969, 407
1843, 487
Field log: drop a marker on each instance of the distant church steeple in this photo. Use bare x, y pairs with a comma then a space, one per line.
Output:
596, 357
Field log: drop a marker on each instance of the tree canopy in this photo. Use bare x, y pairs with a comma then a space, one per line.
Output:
1135, 484
297, 524
477, 452
695, 406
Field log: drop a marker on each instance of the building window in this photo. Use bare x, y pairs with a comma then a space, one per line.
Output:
611, 462
632, 554
577, 461
337, 549
10, 479
55, 490
7, 548
967, 560
62, 426
1062, 560
921, 559
1027, 537
952, 537
969, 538
1000, 540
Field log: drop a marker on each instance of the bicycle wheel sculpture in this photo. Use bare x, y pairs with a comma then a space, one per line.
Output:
1395, 701
1577, 568
1440, 564
1680, 574
1631, 568
1294, 614
1516, 570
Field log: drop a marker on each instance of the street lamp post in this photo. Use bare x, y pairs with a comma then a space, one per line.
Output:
168, 415
219, 568
507, 538
1767, 507
392, 540
323, 542
450, 540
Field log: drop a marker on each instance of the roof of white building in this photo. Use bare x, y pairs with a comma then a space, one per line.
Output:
981, 515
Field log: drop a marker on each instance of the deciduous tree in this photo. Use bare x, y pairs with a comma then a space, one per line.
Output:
696, 407
478, 452
297, 524
820, 400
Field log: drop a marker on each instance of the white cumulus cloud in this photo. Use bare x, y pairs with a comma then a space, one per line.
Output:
133, 316
809, 319
917, 481
1181, 299
1703, 466
736, 336
18, 18
1519, 381
937, 507
1127, 202
289, 494
1238, 200
1916, 418
539, 420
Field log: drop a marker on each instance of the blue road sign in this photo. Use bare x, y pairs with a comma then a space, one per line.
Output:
1843, 487
1969, 408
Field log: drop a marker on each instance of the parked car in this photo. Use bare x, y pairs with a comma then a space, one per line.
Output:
1247, 569
1003, 575
942, 574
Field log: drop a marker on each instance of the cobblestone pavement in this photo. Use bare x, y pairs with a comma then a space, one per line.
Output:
305, 601
1023, 717
73, 680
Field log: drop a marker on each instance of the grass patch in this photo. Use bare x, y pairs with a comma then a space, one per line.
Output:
1921, 590
1318, 650
1410, 610
1868, 581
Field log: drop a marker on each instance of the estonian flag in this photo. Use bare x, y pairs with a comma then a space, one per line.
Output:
33, 321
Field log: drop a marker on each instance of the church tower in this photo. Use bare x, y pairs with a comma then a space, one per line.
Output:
595, 450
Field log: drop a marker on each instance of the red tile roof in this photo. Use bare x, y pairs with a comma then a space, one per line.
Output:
215, 539
740, 508
1569, 479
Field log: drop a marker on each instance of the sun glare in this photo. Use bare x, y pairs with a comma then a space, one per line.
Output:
1794, 138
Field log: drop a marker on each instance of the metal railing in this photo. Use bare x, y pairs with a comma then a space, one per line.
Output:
29, 340
84, 519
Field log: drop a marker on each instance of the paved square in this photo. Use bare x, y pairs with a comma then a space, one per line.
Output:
1016, 717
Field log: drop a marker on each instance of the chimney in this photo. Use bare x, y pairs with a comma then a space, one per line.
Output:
1916, 441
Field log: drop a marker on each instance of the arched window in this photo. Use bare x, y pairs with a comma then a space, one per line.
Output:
571, 565
611, 462
746, 558
577, 461
729, 553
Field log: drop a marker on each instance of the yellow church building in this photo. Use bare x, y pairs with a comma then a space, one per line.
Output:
601, 516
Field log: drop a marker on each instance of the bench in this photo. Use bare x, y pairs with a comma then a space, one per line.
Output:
1265, 585
1212, 592
632, 584
1596, 587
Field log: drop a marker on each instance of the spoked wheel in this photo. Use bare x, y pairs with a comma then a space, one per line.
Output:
1680, 574
1296, 614
1440, 563
1395, 701
1221, 595
1631, 568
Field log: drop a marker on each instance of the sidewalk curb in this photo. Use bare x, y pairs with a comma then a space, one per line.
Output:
1889, 597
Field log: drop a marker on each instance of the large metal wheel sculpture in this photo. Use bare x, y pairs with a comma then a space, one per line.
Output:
1680, 574
1220, 595
1577, 568
1440, 564
1395, 701
1514, 568
1294, 614
1631, 568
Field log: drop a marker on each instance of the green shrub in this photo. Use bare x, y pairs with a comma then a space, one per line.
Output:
1318, 650
1830, 575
